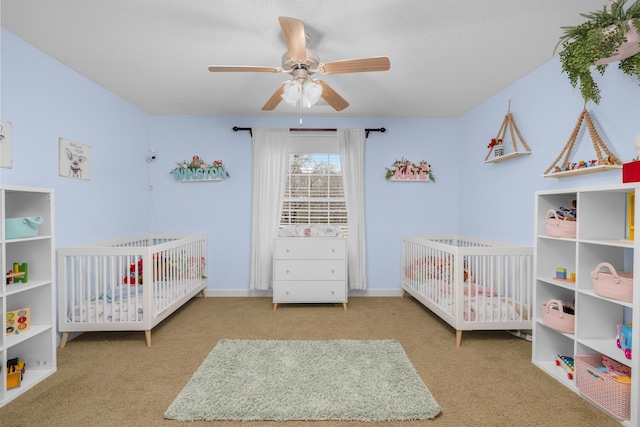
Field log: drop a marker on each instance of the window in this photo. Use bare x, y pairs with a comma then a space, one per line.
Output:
314, 192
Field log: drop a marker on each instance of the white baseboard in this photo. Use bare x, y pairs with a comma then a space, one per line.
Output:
257, 293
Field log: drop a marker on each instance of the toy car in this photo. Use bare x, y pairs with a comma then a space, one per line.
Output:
623, 339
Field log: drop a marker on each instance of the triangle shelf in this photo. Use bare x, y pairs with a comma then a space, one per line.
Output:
509, 124
606, 159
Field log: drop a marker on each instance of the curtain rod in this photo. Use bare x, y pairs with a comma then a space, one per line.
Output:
366, 131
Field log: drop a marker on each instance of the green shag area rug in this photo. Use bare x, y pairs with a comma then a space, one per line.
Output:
273, 380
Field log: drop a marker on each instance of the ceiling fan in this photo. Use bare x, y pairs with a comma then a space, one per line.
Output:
301, 63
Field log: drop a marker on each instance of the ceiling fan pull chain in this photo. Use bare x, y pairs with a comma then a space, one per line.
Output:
300, 106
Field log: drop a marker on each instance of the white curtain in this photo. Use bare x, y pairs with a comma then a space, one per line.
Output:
351, 143
269, 158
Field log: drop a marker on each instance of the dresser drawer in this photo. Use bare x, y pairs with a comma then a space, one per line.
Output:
309, 292
294, 269
310, 248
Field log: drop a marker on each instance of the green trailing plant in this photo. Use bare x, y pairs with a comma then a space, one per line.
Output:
598, 37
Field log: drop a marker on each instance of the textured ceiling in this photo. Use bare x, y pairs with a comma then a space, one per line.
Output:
446, 56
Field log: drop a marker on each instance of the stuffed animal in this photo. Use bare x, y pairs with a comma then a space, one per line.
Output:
132, 274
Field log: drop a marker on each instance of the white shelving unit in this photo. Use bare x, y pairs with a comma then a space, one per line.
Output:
602, 235
36, 346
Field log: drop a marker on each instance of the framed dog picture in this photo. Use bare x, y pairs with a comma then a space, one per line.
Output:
74, 160
5, 145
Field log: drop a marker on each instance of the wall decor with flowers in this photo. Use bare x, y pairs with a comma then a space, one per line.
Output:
199, 170
498, 151
404, 170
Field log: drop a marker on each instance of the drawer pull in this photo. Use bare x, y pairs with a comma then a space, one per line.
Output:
286, 271
287, 250
332, 271
333, 250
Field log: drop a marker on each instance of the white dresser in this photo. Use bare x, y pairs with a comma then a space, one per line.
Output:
310, 270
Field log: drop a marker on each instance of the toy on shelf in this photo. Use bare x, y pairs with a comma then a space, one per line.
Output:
561, 274
15, 372
23, 272
11, 276
570, 214
17, 321
623, 338
566, 363
20, 273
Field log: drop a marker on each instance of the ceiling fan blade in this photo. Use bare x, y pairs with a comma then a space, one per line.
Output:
275, 99
244, 68
294, 37
331, 97
378, 63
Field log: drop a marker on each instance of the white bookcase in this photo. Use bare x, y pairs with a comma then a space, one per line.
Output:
602, 235
35, 346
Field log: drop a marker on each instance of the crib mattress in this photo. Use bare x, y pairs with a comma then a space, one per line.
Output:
481, 304
101, 310
124, 305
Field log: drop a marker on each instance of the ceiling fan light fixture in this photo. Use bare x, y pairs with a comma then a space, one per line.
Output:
311, 93
300, 63
292, 90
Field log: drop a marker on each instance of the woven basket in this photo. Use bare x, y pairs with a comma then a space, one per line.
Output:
611, 395
558, 227
20, 228
554, 317
612, 284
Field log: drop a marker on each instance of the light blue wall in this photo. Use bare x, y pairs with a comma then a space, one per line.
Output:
497, 198
223, 209
126, 195
44, 100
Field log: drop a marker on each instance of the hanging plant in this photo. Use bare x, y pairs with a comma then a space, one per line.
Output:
600, 37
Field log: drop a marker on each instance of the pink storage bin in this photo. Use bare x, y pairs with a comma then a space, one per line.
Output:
610, 394
554, 317
612, 284
559, 227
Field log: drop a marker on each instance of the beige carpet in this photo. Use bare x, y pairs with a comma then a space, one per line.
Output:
113, 379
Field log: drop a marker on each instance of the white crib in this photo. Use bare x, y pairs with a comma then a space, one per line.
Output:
471, 283
128, 284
